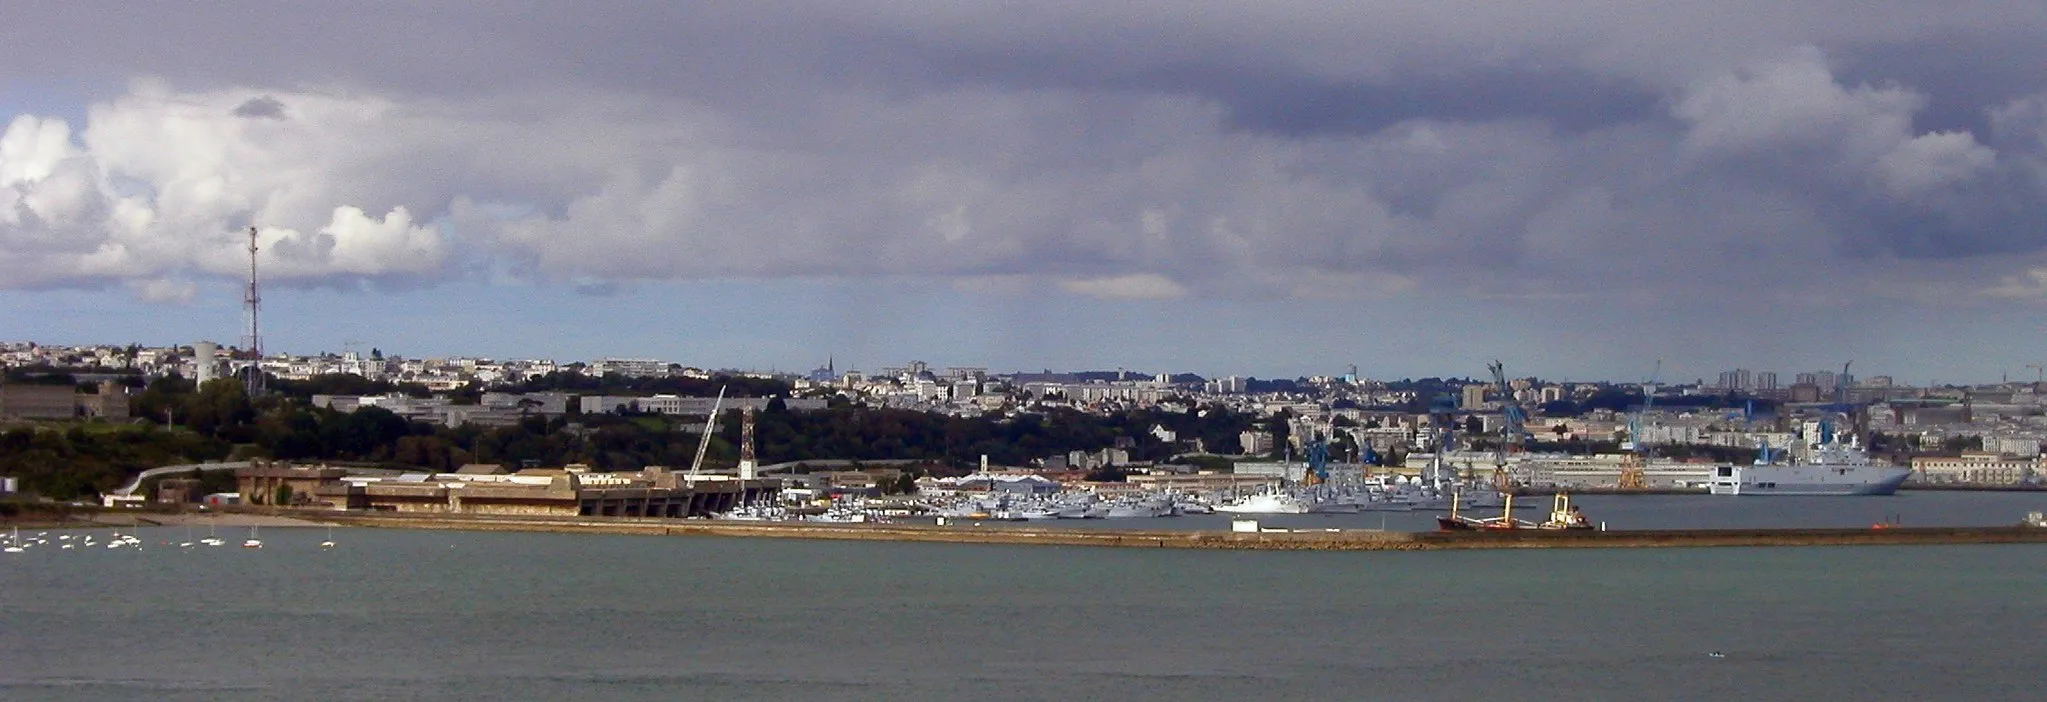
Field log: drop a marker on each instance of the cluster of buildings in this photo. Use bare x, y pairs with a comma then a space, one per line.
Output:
1977, 434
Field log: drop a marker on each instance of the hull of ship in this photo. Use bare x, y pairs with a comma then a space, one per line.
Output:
1799, 482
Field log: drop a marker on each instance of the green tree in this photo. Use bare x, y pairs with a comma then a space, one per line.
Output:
220, 408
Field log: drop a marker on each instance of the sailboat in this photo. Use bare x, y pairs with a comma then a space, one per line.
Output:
211, 539
329, 543
252, 541
14, 541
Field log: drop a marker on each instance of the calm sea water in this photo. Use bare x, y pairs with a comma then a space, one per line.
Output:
1908, 508
414, 615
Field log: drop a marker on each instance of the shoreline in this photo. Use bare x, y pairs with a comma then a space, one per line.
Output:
1265, 540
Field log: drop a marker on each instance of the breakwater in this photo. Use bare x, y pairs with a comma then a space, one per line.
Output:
1274, 540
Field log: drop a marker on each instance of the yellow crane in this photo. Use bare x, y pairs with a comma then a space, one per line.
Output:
1634, 473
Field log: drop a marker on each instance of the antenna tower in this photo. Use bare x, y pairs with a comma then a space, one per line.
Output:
748, 462
254, 340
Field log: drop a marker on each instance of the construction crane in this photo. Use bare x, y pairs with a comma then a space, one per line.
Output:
1318, 460
1512, 429
1444, 430
1634, 472
710, 423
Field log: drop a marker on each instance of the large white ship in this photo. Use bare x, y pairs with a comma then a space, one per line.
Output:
1829, 467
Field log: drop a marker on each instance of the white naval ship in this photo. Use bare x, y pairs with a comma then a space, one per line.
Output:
1829, 467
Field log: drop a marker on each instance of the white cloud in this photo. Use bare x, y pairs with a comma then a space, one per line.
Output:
2030, 284
1136, 286
1931, 162
1791, 103
167, 291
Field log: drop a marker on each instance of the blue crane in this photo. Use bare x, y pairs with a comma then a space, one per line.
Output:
1515, 426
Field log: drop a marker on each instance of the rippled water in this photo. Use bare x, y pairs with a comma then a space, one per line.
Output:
409, 615
1909, 508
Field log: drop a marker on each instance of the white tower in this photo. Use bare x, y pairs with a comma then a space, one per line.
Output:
203, 358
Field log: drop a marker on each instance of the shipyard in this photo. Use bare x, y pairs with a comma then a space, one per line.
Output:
1492, 456
850, 349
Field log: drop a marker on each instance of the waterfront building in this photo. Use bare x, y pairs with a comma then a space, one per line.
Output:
563, 492
1974, 467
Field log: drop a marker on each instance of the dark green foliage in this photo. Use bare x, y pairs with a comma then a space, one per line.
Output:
212, 420
1107, 474
82, 461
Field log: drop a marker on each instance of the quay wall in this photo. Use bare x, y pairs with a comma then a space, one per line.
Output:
1345, 540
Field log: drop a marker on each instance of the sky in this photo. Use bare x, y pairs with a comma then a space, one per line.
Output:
1273, 189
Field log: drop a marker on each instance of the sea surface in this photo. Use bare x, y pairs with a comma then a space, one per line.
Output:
1907, 508
438, 615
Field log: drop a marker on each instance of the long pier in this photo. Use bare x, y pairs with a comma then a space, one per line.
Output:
1289, 540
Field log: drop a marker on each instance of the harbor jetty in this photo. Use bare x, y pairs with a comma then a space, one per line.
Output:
1259, 539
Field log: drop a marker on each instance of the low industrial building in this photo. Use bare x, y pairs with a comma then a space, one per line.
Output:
479, 489
33, 401
1975, 468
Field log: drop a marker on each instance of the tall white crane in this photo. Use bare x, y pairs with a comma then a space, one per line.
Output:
710, 423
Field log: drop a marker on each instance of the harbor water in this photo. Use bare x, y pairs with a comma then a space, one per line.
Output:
1924, 508
410, 615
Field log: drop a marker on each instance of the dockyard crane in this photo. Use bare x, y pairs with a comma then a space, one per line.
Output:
710, 423
1513, 428
1634, 471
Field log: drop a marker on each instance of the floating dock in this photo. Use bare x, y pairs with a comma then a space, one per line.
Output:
1266, 540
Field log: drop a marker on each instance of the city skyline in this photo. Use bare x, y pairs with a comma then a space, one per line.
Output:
1276, 190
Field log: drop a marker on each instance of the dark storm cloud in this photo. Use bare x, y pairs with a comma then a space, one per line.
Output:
264, 107
1208, 148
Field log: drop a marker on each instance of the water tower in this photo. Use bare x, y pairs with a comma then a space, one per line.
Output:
203, 358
